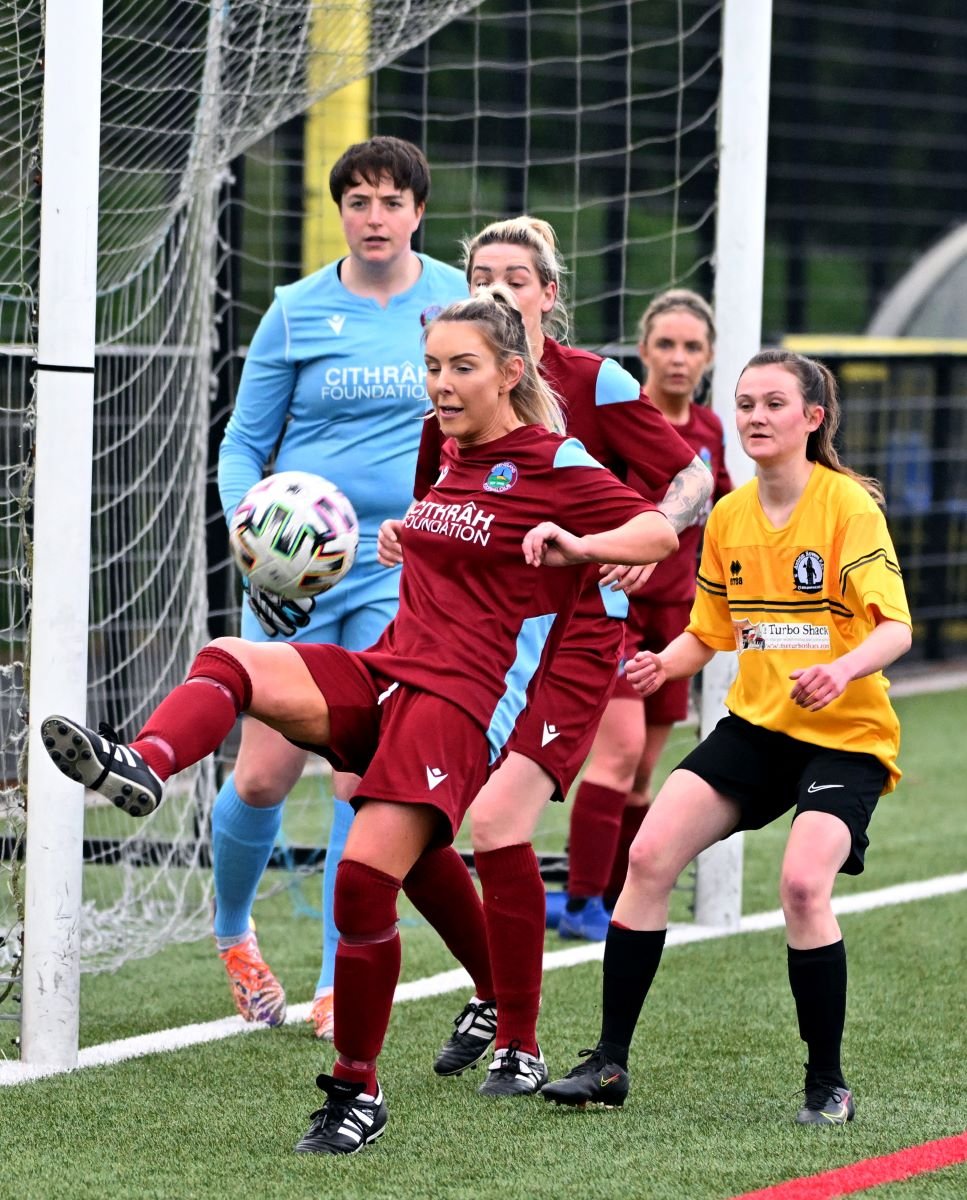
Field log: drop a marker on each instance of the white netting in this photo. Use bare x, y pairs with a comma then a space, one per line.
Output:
597, 115
19, 124
186, 88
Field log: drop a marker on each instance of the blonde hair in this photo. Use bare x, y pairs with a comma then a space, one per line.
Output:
539, 238
677, 300
819, 388
494, 312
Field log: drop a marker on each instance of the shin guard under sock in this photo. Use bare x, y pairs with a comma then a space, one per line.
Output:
367, 968
631, 958
514, 902
195, 718
595, 826
818, 981
441, 889
342, 819
242, 841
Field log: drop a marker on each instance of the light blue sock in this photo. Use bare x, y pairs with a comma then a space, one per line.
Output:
242, 841
342, 818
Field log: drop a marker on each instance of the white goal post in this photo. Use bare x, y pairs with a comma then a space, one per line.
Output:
739, 261
62, 522
124, 379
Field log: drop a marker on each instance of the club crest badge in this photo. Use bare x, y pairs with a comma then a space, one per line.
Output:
502, 478
807, 572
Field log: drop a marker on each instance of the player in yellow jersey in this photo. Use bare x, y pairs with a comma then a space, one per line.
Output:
799, 575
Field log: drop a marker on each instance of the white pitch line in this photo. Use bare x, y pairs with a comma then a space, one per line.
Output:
456, 980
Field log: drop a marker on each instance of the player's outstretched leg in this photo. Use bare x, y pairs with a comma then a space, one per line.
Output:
349, 1120
101, 763
596, 1080
188, 724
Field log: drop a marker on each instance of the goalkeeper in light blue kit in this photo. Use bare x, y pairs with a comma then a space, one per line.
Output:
335, 370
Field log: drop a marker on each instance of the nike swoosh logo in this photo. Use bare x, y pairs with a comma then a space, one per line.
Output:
839, 1117
434, 777
823, 787
610, 1079
549, 734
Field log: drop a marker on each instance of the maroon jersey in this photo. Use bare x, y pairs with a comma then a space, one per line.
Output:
475, 622
604, 408
673, 580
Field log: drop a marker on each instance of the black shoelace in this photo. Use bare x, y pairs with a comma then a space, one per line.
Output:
112, 736
510, 1064
335, 1112
819, 1094
477, 1011
595, 1061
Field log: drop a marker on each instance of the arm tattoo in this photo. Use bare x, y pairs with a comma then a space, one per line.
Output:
687, 493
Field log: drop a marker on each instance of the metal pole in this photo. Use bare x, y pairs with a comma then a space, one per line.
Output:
62, 520
739, 257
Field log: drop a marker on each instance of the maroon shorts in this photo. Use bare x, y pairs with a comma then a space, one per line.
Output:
558, 726
652, 627
410, 747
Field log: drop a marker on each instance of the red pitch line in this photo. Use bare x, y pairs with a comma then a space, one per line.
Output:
916, 1160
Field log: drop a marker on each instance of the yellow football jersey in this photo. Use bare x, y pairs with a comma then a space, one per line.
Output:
805, 593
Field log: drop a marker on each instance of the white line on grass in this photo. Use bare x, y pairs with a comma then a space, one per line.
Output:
458, 980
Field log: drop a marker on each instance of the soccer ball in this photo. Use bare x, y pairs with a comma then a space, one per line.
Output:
294, 534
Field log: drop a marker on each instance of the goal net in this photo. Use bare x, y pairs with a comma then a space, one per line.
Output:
186, 89
599, 115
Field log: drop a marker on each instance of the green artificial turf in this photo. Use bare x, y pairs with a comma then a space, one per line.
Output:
716, 1063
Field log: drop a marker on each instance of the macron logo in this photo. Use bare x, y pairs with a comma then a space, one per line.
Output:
434, 777
336, 323
549, 734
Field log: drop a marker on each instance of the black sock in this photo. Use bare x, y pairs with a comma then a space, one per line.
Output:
575, 904
818, 981
631, 958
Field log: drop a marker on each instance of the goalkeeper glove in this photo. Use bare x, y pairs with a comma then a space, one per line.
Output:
278, 616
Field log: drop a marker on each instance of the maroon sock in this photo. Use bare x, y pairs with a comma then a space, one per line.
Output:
195, 718
442, 890
367, 968
631, 820
514, 907
595, 825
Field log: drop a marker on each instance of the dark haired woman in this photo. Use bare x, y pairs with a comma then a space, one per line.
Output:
799, 574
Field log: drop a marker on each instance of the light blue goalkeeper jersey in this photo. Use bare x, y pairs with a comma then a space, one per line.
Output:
341, 380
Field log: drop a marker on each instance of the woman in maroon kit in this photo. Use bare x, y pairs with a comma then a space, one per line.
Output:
424, 712
604, 408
